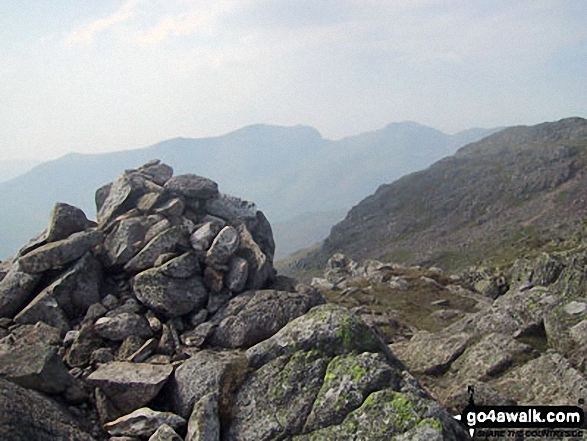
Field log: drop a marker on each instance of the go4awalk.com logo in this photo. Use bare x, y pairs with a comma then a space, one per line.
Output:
522, 421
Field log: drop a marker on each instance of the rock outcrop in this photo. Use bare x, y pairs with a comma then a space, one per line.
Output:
526, 345
165, 320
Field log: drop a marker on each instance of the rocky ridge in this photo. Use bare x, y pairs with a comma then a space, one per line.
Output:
165, 320
521, 341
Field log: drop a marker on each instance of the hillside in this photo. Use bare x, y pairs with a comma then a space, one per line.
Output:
519, 189
278, 167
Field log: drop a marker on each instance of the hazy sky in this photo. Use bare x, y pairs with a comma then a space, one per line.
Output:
91, 76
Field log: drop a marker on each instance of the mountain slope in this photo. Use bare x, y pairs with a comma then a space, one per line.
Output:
521, 186
288, 171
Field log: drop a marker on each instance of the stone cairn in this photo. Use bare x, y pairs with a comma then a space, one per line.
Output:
166, 317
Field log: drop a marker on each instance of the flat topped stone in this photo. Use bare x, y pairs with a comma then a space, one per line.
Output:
130, 385
56, 254
192, 186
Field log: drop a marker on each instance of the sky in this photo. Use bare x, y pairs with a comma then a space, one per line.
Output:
95, 76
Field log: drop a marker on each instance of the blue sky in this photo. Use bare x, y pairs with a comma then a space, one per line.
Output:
91, 76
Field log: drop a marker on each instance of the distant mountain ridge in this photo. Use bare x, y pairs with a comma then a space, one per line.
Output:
288, 171
523, 186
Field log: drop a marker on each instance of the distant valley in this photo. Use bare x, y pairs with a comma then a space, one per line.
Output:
297, 177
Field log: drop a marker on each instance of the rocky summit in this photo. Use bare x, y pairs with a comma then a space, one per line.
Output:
164, 319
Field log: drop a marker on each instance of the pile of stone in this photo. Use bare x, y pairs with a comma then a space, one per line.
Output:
165, 320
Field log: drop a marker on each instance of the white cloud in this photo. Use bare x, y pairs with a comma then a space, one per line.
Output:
84, 35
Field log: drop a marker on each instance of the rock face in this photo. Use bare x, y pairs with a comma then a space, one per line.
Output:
165, 320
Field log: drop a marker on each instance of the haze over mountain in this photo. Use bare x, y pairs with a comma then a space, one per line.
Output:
523, 187
288, 171
11, 168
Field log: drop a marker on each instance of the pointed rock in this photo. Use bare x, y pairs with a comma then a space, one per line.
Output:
143, 422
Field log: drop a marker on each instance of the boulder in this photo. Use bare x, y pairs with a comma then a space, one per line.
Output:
35, 367
156, 171
236, 277
130, 385
260, 267
59, 253
143, 422
16, 290
28, 415
202, 238
264, 313
223, 247
204, 423
164, 242
171, 297
126, 240
123, 325
165, 433
204, 373
431, 354
192, 186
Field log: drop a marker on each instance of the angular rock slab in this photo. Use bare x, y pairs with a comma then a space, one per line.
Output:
123, 325
260, 266
164, 242
192, 186
16, 289
169, 296
126, 240
431, 354
166, 433
143, 422
28, 415
330, 329
35, 367
204, 423
276, 399
263, 315
130, 386
223, 247
204, 373
62, 252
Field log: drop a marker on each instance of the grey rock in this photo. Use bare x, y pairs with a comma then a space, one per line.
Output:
236, 277
85, 342
44, 308
265, 313
35, 367
202, 238
130, 385
260, 267
169, 341
110, 302
169, 296
126, 240
149, 201
288, 387
65, 220
129, 346
157, 172
165, 433
547, 379
575, 307
124, 192
28, 415
16, 289
94, 312
199, 335
182, 267
204, 373
213, 279
223, 247
431, 354
192, 186
204, 422
144, 351
349, 379
119, 327
490, 357
196, 319
143, 422
61, 252
101, 356
159, 227
78, 288
101, 195
164, 242
330, 329
173, 207
230, 208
